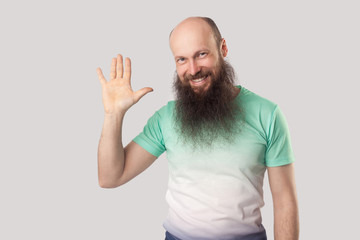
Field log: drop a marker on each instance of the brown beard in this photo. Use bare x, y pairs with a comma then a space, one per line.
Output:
205, 116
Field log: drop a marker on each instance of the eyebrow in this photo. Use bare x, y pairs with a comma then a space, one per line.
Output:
195, 54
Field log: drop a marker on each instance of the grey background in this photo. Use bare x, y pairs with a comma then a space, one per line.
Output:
303, 55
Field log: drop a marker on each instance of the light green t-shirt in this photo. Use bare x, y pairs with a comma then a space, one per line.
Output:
217, 193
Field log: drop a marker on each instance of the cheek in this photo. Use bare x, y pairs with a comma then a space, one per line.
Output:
180, 72
209, 63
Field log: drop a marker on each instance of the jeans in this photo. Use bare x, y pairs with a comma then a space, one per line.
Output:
253, 236
169, 236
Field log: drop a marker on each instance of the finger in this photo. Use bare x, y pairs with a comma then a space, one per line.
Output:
140, 93
127, 74
101, 76
113, 69
119, 66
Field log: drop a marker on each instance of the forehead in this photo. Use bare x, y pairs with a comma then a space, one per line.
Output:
191, 36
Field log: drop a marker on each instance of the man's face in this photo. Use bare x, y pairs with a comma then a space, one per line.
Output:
196, 55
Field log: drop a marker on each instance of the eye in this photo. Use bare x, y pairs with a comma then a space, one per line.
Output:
202, 54
180, 60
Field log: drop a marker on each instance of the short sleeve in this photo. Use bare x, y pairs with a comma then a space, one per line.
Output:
279, 151
151, 138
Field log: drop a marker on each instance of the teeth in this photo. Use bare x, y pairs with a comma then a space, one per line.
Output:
199, 79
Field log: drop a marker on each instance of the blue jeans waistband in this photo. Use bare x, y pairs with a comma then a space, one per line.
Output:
253, 236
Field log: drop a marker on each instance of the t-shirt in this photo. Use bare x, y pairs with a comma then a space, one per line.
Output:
217, 193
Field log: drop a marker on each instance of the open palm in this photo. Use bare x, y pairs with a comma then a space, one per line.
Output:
118, 95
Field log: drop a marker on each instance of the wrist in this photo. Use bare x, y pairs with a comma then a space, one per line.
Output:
114, 116
114, 113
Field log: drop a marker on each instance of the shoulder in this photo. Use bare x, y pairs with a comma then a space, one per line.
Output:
166, 109
249, 97
255, 103
165, 113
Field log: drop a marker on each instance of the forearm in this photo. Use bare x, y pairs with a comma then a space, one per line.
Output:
111, 151
286, 222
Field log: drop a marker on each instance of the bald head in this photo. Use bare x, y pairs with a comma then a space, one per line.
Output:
209, 21
197, 26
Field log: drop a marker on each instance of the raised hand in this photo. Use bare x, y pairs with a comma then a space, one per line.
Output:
118, 95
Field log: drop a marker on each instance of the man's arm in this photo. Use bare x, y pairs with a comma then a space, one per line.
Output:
283, 189
117, 165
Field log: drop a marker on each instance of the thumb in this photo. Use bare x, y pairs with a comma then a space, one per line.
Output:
140, 93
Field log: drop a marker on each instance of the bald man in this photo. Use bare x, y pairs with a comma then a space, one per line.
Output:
219, 138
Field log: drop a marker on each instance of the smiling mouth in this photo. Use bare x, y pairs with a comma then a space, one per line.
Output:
199, 80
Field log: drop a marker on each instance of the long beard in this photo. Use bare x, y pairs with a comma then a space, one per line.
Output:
203, 117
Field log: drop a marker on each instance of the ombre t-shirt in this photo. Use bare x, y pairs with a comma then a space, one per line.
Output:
216, 193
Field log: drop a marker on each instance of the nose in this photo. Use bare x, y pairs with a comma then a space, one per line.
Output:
194, 67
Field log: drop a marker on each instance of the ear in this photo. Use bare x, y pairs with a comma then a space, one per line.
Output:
223, 48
